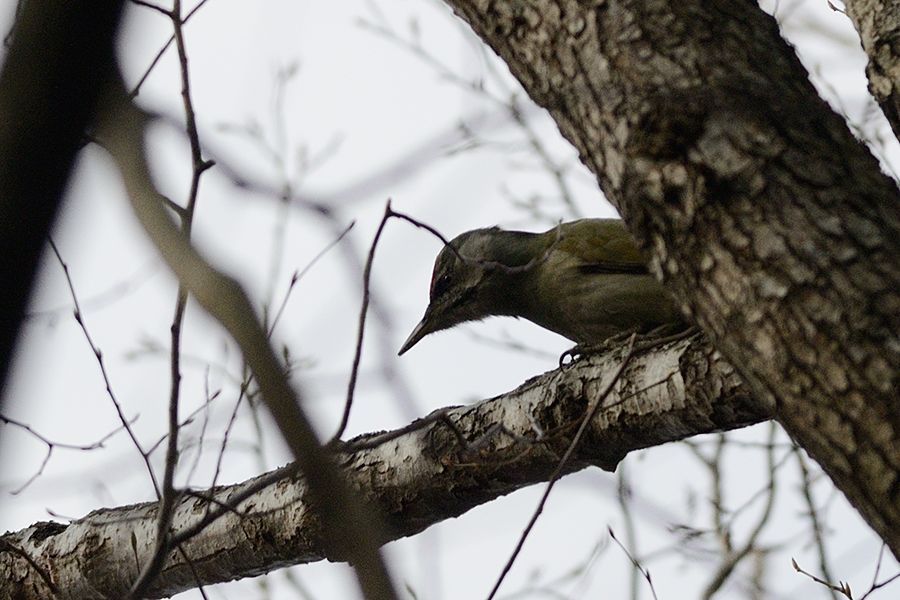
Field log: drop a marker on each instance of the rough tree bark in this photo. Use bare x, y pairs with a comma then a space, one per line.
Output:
878, 24
771, 224
419, 478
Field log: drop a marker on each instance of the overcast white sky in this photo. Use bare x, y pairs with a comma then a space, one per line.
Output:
377, 121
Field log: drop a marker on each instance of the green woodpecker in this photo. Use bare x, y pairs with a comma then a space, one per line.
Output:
585, 280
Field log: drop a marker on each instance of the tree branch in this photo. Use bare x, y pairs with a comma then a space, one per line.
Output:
878, 24
49, 87
346, 526
493, 448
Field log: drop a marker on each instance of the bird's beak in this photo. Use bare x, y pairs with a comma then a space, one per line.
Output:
422, 329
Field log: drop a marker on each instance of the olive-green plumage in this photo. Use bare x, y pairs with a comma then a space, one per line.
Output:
585, 280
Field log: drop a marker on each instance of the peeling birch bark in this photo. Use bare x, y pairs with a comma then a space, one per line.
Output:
417, 479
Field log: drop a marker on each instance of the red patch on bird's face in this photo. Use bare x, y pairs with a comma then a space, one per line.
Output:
434, 278
440, 282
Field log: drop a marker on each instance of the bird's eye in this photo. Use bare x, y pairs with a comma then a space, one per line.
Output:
440, 285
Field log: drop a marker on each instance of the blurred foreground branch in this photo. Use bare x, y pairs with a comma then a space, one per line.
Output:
49, 86
342, 523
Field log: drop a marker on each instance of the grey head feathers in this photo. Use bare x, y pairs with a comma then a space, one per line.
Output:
469, 282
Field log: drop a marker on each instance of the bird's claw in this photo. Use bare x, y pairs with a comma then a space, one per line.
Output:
574, 353
663, 334
666, 334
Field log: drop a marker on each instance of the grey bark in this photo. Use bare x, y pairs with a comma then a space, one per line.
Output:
878, 24
428, 474
770, 223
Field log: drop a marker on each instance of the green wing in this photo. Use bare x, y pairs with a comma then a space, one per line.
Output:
598, 246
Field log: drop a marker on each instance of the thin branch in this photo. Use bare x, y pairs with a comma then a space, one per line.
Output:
247, 379
634, 562
298, 275
51, 445
242, 392
163, 11
875, 583
509, 102
79, 318
363, 312
42, 573
209, 397
486, 264
623, 495
590, 413
198, 167
112, 294
137, 88
842, 587
734, 557
815, 522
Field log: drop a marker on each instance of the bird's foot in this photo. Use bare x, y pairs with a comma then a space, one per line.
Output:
664, 334
577, 351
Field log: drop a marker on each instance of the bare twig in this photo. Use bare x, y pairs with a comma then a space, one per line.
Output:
151, 6
590, 413
137, 88
107, 297
815, 522
51, 445
79, 318
198, 166
42, 573
623, 495
209, 397
247, 379
363, 312
486, 264
579, 573
509, 102
876, 585
242, 392
842, 587
733, 557
634, 561
298, 275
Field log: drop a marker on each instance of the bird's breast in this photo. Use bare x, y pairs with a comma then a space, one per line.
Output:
590, 307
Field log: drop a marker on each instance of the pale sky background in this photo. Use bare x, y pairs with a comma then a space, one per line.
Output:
361, 103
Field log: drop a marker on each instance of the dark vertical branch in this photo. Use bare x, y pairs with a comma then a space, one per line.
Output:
49, 88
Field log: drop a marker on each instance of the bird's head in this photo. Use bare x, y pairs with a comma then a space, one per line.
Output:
469, 281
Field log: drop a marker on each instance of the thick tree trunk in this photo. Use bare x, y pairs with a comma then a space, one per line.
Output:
419, 478
878, 24
770, 223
